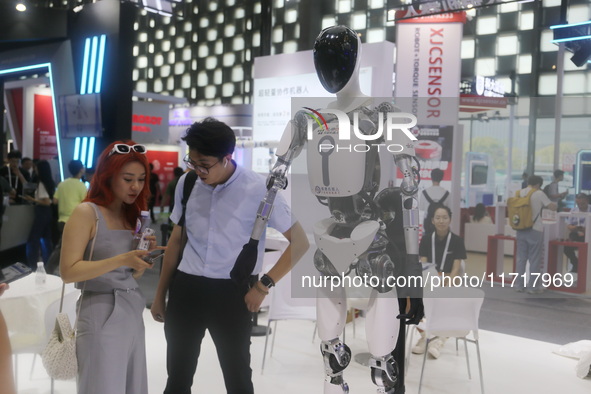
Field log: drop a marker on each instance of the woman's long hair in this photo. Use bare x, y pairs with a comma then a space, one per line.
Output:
107, 168
44, 174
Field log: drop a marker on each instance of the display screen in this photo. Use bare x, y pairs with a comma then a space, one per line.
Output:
586, 177
80, 115
479, 175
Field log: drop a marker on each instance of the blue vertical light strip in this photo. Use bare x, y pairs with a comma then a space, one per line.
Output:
92, 73
90, 152
55, 121
77, 148
83, 150
85, 67
92, 78
99, 67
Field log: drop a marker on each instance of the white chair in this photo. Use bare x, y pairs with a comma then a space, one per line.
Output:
453, 312
51, 312
284, 307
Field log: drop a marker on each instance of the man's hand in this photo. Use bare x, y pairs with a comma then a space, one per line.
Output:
158, 309
254, 297
3, 288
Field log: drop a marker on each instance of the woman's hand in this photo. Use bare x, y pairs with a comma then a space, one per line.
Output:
134, 259
254, 298
3, 288
153, 243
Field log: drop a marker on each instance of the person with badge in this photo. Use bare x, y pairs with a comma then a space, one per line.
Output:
445, 251
443, 248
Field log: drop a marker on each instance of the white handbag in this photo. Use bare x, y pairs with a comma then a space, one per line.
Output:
59, 355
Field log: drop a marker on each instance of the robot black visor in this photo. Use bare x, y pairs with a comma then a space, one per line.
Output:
335, 57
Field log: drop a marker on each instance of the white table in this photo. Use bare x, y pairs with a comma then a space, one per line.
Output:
23, 306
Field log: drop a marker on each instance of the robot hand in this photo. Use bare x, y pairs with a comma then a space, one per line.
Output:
416, 311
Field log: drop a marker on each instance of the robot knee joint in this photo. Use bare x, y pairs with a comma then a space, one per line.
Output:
384, 372
337, 356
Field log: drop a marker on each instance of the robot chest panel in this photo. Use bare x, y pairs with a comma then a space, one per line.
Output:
336, 168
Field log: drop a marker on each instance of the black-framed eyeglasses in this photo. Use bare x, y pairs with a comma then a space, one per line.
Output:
125, 149
194, 166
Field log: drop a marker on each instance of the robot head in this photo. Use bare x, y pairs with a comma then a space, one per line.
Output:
336, 52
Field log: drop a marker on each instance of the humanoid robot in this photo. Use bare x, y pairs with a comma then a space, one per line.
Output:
357, 237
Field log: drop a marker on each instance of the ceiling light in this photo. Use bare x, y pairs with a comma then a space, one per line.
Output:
20, 6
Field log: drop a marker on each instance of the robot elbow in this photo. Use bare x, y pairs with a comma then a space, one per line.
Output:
409, 187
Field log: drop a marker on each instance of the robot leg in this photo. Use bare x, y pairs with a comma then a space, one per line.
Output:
332, 314
382, 328
337, 357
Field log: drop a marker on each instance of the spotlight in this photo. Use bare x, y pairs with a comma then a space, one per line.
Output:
20, 6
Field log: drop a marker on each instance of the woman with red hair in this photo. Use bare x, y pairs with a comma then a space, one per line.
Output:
110, 342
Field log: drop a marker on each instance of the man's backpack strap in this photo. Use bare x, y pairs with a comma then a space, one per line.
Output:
190, 180
442, 199
427, 197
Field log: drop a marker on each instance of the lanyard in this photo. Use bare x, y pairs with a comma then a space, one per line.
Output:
10, 178
444, 250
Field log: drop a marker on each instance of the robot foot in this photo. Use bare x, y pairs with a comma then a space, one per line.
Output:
337, 357
332, 387
384, 374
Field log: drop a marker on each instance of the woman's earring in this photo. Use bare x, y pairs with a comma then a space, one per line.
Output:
225, 162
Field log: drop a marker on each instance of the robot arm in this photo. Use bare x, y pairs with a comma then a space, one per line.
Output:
291, 144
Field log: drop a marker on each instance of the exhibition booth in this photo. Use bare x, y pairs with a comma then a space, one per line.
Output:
62, 103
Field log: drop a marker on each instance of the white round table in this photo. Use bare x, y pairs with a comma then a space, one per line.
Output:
23, 306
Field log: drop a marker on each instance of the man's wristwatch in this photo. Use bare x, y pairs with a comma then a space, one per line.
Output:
267, 281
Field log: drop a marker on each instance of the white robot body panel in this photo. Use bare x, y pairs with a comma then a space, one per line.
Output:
343, 251
338, 165
331, 308
381, 325
286, 140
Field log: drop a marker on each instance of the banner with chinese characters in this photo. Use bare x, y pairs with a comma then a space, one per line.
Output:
44, 141
428, 66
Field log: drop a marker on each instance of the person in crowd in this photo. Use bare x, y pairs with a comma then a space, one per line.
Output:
220, 215
6, 375
110, 341
168, 198
576, 228
446, 251
481, 215
15, 177
40, 235
524, 177
68, 195
27, 169
155, 192
552, 190
431, 196
530, 242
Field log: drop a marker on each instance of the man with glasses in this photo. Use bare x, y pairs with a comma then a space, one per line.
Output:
219, 221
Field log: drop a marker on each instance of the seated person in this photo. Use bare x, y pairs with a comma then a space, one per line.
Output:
576, 228
480, 215
446, 250
442, 247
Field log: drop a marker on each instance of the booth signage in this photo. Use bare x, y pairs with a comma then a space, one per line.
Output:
149, 122
428, 66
